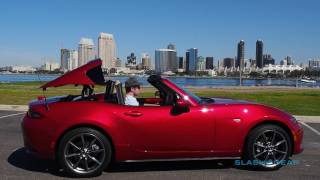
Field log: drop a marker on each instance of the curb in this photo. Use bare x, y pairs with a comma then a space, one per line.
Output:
308, 119
13, 107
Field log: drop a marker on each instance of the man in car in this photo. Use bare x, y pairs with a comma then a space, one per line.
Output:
132, 87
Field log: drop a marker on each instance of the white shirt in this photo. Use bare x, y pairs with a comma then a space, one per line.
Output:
131, 101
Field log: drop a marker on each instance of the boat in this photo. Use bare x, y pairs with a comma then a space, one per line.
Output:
307, 80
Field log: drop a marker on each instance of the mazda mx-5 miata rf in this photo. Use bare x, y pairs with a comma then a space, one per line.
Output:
87, 132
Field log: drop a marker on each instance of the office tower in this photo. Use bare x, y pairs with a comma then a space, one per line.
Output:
73, 60
145, 61
289, 60
240, 55
107, 50
191, 60
209, 62
267, 59
201, 64
259, 53
64, 56
180, 63
165, 60
228, 63
85, 51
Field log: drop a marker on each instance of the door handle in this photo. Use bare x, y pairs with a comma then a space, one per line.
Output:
133, 113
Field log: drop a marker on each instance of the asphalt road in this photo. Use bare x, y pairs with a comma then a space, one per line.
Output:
16, 164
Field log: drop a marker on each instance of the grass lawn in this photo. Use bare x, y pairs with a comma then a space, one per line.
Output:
298, 101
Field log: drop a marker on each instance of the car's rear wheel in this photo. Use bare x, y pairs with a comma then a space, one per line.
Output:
268, 147
84, 152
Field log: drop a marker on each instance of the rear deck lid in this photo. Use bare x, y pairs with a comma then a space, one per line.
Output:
88, 74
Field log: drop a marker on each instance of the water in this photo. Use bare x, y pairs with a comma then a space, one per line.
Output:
181, 81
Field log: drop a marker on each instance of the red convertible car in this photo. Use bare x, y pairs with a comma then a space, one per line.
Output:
89, 131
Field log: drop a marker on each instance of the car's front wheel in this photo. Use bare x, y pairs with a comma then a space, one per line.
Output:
84, 152
268, 147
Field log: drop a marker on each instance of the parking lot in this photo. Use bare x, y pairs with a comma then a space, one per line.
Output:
16, 164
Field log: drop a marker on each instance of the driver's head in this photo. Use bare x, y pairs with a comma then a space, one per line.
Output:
132, 85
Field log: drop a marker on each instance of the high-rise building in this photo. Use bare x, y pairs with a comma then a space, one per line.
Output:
107, 50
180, 63
166, 60
259, 53
191, 60
228, 63
145, 61
64, 57
85, 51
289, 60
267, 59
209, 62
201, 64
286, 61
240, 55
73, 60
69, 60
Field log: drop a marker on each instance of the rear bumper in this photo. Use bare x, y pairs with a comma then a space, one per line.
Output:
36, 138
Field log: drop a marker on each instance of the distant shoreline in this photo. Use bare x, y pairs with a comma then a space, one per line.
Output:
187, 76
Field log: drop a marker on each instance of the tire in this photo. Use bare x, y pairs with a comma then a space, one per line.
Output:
268, 147
84, 152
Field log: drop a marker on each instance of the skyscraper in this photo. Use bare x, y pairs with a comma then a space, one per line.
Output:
191, 60
107, 50
267, 59
85, 51
64, 56
209, 62
201, 64
73, 60
259, 53
165, 60
145, 61
228, 62
180, 63
240, 55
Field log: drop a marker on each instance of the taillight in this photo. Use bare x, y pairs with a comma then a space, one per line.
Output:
33, 114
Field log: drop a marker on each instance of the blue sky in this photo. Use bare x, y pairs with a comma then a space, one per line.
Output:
33, 30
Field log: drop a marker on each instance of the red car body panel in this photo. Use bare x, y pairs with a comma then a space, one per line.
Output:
217, 129
77, 76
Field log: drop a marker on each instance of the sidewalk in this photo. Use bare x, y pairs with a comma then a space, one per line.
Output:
307, 119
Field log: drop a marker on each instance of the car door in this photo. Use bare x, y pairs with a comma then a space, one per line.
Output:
157, 129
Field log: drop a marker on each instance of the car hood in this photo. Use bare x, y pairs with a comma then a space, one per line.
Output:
88, 74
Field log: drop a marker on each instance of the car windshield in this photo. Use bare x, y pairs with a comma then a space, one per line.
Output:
190, 94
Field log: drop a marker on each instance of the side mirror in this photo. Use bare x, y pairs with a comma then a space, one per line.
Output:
180, 107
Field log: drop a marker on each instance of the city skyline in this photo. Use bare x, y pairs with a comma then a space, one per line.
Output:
291, 29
